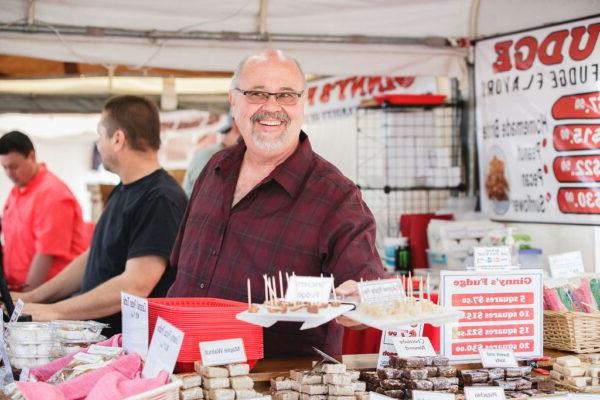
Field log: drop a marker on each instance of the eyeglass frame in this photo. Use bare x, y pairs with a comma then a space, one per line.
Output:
274, 94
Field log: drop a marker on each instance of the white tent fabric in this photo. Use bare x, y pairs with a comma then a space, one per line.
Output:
320, 19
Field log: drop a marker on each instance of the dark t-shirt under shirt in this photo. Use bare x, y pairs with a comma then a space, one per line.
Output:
141, 219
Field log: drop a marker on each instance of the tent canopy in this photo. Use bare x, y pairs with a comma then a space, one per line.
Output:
329, 37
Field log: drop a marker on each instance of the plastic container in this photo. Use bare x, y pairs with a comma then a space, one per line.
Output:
20, 362
29, 332
82, 331
531, 258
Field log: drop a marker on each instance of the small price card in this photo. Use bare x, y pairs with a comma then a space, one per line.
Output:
17, 311
164, 349
414, 346
221, 352
134, 316
484, 393
309, 288
566, 265
381, 291
491, 258
492, 358
423, 395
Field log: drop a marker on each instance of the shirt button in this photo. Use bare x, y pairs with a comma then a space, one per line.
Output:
214, 253
202, 286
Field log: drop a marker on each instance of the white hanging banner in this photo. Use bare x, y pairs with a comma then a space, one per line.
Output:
538, 124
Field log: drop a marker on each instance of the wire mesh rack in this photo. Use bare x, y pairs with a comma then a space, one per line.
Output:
409, 160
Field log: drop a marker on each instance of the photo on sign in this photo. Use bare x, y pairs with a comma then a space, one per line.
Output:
497, 187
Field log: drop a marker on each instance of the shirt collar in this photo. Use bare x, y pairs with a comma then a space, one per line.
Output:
35, 181
289, 174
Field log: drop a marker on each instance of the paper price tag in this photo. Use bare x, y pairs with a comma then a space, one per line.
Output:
8, 374
221, 352
414, 346
381, 291
491, 358
491, 258
17, 311
386, 346
309, 288
484, 393
566, 265
24, 375
134, 316
423, 395
377, 396
164, 349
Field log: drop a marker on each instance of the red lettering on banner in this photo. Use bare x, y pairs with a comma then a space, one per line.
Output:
525, 62
342, 85
502, 63
557, 39
389, 85
374, 82
324, 97
358, 85
575, 51
405, 81
311, 95
550, 50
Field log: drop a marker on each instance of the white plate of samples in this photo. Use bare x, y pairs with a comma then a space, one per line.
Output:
307, 299
389, 304
396, 314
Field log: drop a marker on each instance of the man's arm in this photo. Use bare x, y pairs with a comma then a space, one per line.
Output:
38, 271
67, 282
139, 278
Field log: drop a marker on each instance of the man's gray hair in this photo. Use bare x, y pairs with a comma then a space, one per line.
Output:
235, 80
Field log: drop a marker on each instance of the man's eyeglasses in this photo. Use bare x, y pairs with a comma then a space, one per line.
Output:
261, 97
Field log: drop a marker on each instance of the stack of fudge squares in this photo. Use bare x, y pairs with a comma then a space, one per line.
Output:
323, 382
517, 382
405, 374
582, 371
228, 382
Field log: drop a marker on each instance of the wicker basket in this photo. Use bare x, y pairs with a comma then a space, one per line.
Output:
572, 331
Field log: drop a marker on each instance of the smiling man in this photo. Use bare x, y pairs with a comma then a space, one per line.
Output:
269, 204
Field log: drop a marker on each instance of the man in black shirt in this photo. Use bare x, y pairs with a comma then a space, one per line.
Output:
133, 239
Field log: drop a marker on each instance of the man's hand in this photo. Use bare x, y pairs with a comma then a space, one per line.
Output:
41, 312
348, 289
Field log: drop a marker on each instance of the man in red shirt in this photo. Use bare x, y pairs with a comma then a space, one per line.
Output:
270, 203
42, 225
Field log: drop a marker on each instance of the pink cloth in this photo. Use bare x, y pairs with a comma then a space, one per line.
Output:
115, 386
78, 388
39, 390
46, 371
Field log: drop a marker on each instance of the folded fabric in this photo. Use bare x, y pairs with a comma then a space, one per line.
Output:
78, 388
114, 386
40, 390
44, 372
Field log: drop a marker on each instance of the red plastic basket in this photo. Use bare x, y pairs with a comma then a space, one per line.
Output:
205, 319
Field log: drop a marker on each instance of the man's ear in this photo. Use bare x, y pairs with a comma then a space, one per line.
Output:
119, 139
31, 156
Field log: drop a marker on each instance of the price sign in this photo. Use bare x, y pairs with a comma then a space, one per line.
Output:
386, 346
484, 393
164, 349
221, 352
381, 291
491, 258
566, 265
309, 288
502, 311
134, 316
423, 395
491, 358
579, 200
414, 347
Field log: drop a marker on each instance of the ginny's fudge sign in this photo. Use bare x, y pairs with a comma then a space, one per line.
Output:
538, 123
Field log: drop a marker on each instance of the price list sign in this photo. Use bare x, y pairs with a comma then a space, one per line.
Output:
538, 124
502, 310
